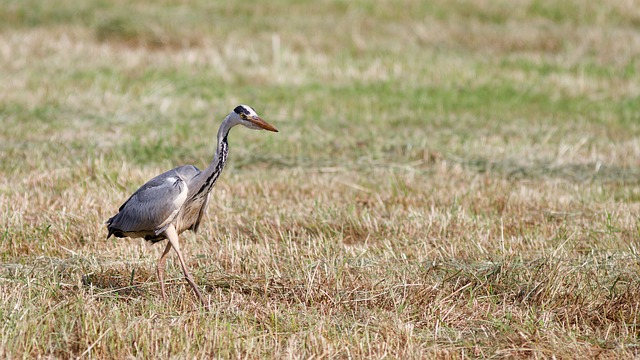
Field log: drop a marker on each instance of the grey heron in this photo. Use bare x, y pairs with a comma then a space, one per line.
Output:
175, 201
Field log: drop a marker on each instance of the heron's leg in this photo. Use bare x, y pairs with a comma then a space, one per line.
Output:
161, 264
172, 235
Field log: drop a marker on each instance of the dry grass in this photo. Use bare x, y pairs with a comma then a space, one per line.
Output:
450, 180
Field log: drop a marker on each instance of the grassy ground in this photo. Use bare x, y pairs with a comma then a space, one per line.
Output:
451, 179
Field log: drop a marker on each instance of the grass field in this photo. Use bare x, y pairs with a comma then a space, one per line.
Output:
451, 179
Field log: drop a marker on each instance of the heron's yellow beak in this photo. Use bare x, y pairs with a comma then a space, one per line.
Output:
257, 120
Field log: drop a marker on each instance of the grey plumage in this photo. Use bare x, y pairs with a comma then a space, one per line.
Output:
154, 206
176, 200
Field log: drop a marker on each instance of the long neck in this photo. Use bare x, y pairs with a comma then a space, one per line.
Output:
203, 182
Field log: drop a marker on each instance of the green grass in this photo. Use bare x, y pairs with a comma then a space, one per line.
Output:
450, 179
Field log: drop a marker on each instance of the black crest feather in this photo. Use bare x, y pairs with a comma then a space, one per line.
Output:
241, 110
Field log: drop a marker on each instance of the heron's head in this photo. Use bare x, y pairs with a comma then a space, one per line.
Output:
246, 115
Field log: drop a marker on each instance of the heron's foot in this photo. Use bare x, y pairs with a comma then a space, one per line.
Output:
164, 294
160, 273
197, 291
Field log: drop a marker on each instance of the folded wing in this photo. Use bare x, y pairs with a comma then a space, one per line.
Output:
150, 210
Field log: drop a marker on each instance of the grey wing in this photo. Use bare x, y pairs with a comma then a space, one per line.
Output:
187, 172
153, 206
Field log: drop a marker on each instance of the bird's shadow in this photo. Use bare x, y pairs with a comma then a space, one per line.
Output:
119, 282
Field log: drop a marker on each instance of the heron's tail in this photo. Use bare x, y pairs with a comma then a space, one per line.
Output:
108, 223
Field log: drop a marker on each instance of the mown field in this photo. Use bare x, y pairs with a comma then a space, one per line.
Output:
451, 179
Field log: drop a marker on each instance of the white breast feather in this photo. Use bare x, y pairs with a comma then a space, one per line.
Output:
179, 200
